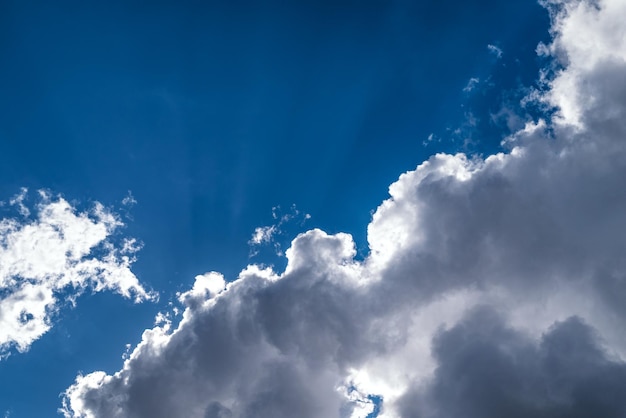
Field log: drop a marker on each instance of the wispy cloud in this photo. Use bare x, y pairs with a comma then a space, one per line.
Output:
471, 84
18, 201
493, 49
129, 199
266, 235
263, 234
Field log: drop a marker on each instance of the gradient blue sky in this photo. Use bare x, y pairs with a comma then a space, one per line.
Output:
212, 113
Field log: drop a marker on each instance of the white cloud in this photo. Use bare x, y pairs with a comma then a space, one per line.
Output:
471, 84
263, 234
494, 50
18, 200
591, 43
60, 252
205, 287
494, 286
431, 138
129, 199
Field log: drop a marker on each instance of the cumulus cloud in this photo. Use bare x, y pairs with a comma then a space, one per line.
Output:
494, 286
590, 44
52, 259
488, 370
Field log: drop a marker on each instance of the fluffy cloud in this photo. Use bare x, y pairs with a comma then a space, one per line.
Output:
493, 287
590, 42
52, 259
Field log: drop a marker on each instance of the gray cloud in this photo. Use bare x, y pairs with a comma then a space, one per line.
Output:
486, 369
492, 287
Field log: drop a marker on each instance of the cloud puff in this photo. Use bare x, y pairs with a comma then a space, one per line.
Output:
493, 287
52, 259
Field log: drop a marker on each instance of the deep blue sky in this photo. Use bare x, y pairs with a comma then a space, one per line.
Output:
212, 113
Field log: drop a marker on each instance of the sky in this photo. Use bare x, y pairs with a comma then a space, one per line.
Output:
314, 209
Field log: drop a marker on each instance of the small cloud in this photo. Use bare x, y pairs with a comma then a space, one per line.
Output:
263, 234
130, 246
542, 50
471, 84
464, 134
514, 122
18, 200
431, 138
495, 50
129, 200
127, 352
471, 120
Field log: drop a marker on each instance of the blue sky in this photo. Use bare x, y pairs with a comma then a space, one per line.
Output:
214, 118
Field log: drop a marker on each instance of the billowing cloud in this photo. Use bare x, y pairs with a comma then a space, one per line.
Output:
494, 287
52, 259
488, 370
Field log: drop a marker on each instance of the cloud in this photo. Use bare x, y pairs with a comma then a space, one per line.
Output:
471, 84
266, 235
494, 286
590, 42
488, 370
494, 50
129, 199
18, 200
52, 259
263, 234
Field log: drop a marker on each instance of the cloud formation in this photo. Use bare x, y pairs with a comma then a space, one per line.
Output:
494, 50
50, 260
488, 370
494, 287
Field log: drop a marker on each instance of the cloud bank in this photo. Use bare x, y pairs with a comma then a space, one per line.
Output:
51, 259
494, 286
